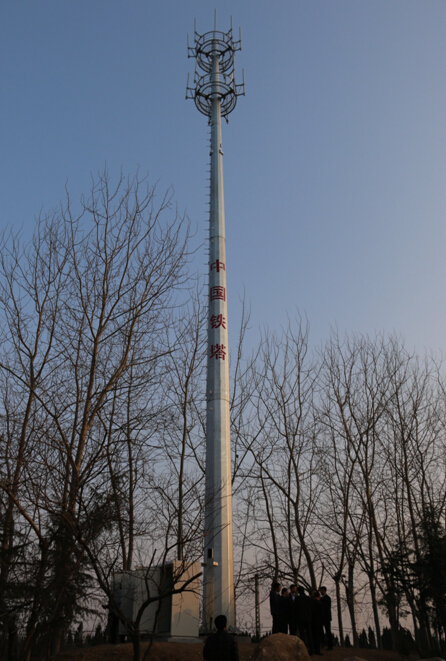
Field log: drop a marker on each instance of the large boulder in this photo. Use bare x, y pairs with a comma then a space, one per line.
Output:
280, 647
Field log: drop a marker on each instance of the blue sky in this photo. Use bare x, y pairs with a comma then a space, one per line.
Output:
334, 161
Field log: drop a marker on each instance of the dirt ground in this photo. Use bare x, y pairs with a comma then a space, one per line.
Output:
194, 652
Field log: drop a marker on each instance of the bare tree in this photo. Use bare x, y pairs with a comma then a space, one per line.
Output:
85, 307
283, 448
356, 395
160, 577
183, 433
412, 444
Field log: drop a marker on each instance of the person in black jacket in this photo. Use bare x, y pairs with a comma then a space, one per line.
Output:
220, 646
293, 603
274, 604
318, 618
305, 618
326, 602
284, 611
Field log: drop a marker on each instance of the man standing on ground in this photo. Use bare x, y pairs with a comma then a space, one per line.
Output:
326, 603
274, 604
284, 611
305, 618
220, 646
318, 618
293, 615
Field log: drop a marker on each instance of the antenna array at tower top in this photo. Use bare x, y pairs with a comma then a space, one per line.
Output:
206, 48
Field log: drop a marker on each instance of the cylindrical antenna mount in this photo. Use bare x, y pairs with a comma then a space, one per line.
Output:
207, 47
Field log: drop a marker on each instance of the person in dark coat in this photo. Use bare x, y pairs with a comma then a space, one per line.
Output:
316, 625
284, 611
326, 602
220, 646
274, 604
305, 618
293, 614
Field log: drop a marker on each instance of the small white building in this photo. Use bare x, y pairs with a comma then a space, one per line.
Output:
179, 614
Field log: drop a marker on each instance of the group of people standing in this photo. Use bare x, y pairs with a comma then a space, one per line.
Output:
299, 614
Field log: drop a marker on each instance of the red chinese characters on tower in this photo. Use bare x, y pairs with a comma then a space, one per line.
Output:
218, 293
218, 266
218, 351
218, 321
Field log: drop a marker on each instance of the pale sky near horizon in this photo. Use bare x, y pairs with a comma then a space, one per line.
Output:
334, 161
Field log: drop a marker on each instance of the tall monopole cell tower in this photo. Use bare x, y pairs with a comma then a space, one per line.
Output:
215, 94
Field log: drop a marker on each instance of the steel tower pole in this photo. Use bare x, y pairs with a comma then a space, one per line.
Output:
218, 549
215, 94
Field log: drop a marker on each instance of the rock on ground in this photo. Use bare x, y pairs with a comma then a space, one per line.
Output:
280, 647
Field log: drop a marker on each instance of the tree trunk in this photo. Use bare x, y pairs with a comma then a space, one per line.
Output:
136, 642
339, 610
350, 596
375, 612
